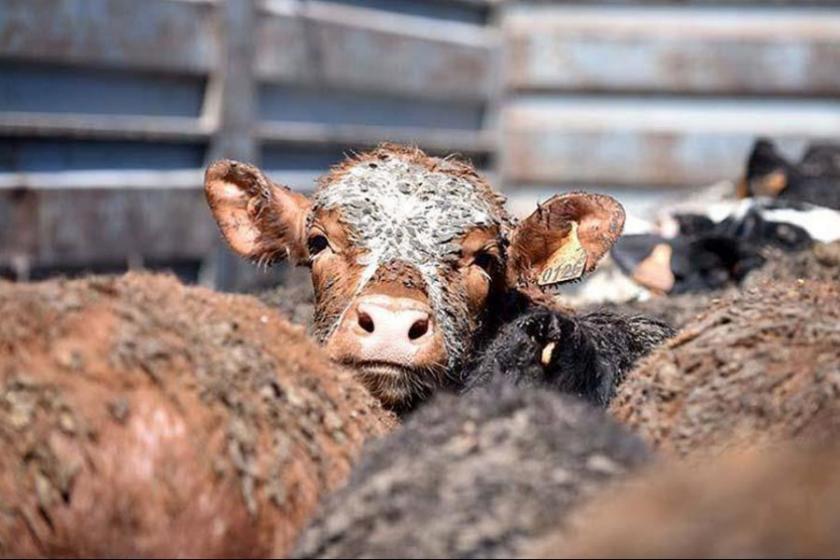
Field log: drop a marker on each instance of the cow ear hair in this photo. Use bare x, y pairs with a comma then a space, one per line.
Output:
564, 238
260, 220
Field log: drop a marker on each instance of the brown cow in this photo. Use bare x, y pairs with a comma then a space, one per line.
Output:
139, 417
414, 259
782, 502
758, 366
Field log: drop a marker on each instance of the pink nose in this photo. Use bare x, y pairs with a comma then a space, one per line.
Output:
390, 329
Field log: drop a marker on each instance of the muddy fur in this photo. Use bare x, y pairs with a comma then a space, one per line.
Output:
758, 365
592, 352
779, 504
820, 263
296, 302
454, 166
476, 476
139, 417
404, 210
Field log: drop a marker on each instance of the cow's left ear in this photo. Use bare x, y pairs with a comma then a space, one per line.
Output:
564, 238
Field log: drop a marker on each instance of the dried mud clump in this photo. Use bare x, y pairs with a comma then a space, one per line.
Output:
475, 476
139, 417
779, 504
758, 366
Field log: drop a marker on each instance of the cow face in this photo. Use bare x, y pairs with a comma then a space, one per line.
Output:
411, 256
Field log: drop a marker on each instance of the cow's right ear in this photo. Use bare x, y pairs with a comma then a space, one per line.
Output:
261, 221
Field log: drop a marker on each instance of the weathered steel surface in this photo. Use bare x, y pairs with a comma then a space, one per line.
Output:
173, 35
112, 127
467, 141
685, 3
685, 50
648, 142
231, 103
106, 225
26, 86
714, 4
144, 180
231, 107
140, 94
292, 103
26, 154
332, 46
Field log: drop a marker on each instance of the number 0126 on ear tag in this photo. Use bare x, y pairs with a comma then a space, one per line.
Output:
567, 262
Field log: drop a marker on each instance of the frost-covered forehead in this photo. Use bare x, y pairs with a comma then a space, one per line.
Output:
399, 209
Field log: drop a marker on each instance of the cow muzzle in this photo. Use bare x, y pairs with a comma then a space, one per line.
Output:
388, 337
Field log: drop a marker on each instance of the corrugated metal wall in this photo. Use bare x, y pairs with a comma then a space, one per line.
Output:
658, 96
109, 109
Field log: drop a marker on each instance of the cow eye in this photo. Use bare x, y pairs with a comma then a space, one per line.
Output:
485, 261
317, 243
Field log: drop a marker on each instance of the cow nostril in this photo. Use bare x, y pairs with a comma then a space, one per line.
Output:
366, 322
418, 329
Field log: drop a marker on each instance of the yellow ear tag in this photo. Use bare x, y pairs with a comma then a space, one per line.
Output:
567, 262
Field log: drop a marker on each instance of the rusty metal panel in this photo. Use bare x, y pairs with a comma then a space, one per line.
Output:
172, 35
27, 86
342, 47
698, 50
232, 94
109, 175
331, 107
358, 136
18, 226
33, 154
648, 142
714, 4
162, 224
106, 225
105, 127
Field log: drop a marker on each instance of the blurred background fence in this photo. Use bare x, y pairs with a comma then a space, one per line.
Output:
109, 109
653, 97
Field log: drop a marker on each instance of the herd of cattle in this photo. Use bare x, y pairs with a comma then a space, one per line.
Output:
442, 401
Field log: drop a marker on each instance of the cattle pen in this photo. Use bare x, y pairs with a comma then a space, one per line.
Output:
419, 278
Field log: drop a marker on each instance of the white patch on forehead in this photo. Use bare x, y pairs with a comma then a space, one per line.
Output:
397, 210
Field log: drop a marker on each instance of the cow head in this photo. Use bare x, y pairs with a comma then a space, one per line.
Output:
411, 256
